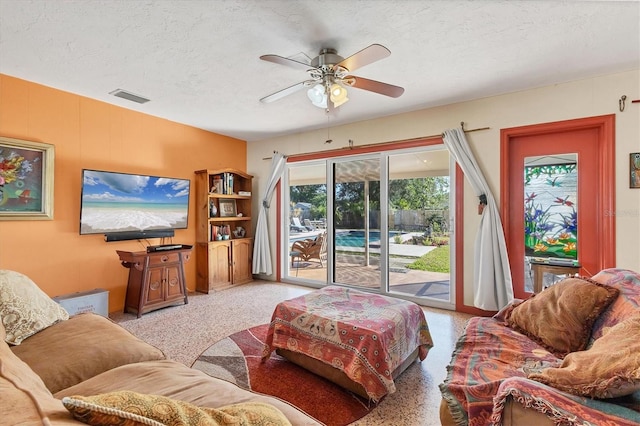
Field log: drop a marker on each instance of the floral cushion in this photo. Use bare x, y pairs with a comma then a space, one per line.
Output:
610, 368
24, 308
132, 408
560, 318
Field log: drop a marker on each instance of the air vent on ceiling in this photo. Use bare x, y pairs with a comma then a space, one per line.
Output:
129, 96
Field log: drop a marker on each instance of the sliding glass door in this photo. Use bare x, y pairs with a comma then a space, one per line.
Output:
356, 222
420, 206
379, 222
305, 219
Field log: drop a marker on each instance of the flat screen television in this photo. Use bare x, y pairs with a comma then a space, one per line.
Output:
126, 206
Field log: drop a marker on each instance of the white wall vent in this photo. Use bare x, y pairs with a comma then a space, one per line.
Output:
129, 96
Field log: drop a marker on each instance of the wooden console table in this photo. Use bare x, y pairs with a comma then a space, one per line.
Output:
156, 279
540, 268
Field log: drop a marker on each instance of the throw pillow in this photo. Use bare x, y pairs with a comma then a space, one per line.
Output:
133, 408
24, 308
560, 317
609, 369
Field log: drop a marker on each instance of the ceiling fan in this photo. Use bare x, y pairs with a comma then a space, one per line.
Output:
330, 75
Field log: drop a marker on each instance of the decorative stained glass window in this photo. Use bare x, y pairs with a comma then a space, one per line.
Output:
550, 209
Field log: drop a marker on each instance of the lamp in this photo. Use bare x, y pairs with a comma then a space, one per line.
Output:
317, 96
338, 95
320, 92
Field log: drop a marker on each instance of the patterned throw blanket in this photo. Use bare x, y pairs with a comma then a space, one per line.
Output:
364, 335
491, 362
486, 354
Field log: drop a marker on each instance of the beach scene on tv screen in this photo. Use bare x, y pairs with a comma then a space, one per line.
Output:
118, 202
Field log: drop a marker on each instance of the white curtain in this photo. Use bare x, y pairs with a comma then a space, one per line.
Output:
261, 248
492, 285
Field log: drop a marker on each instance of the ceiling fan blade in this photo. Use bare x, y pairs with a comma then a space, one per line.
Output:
374, 86
284, 92
286, 61
368, 55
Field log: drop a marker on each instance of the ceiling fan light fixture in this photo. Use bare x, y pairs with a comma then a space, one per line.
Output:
338, 95
317, 96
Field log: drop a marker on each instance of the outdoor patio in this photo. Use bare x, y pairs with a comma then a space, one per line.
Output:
351, 270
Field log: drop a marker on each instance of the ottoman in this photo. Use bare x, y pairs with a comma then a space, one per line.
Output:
358, 340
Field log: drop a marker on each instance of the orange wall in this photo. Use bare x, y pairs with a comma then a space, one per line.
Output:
96, 135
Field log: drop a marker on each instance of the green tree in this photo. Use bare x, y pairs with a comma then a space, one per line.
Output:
419, 193
405, 194
316, 195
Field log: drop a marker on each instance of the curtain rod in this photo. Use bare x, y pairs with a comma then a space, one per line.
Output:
351, 146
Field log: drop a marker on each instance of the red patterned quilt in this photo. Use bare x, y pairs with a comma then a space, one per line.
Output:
492, 362
486, 354
563, 408
366, 336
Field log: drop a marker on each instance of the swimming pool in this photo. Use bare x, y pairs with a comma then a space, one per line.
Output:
356, 238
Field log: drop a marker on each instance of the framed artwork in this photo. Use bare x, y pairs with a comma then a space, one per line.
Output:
634, 169
26, 180
227, 208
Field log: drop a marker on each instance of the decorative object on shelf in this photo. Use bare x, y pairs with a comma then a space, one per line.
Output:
213, 210
634, 166
239, 232
26, 180
227, 208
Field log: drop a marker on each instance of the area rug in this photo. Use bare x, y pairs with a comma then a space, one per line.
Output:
237, 359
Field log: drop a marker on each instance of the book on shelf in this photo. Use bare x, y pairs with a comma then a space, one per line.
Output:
229, 183
217, 185
220, 232
244, 193
223, 184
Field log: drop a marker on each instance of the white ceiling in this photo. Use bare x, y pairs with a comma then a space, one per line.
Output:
198, 61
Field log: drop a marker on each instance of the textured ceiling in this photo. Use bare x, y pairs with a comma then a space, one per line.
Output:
198, 61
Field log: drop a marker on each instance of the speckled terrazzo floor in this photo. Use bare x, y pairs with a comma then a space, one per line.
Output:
184, 332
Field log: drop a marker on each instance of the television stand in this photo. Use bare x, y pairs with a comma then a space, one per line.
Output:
156, 279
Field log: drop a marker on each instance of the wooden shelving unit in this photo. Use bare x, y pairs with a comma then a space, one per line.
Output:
223, 255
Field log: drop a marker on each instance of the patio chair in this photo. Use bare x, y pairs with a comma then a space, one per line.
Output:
298, 227
293, 227
312, 249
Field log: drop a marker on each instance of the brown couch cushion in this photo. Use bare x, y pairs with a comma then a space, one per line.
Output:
129, 407
80, 348
24, 399
560, 317
610, 368
177, 381
24, 308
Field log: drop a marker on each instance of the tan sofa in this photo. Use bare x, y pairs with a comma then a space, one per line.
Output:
89, 355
